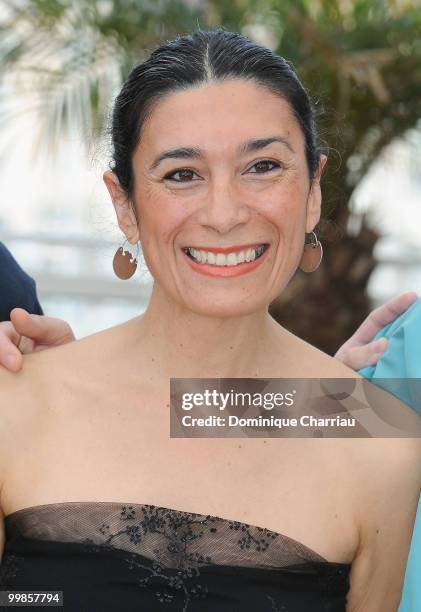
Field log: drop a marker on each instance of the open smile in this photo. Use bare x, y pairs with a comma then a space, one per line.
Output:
227, 261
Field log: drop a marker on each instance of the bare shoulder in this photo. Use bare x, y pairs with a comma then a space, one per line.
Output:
21, 395
20, 398
24, 396
47, 379
385, 469
18, 391
54, 368
379, 471
308, 361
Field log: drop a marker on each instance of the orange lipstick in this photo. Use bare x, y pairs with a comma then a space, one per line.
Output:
226, 271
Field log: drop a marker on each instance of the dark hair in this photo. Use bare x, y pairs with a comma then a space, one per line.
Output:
196, 59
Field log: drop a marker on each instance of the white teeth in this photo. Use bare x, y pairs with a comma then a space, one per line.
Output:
221, 259
231, 259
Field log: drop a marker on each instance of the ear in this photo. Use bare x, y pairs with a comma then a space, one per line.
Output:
314, 202
123, 207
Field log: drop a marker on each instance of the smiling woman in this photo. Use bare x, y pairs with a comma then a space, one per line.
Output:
244, 181
216, 172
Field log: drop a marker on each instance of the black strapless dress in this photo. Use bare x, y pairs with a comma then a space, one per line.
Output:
144, 558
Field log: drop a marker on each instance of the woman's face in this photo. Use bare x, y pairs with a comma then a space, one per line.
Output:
223, 167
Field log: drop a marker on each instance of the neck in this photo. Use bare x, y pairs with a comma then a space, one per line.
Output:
185, 344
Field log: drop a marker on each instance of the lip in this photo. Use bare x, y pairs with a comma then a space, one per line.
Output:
226, 271
226, 250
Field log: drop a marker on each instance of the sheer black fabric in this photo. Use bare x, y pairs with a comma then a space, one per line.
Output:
139, 557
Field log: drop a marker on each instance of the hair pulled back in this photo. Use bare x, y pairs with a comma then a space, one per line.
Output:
193, 60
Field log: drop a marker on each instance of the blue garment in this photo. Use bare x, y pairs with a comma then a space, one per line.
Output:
17, 288
402, 360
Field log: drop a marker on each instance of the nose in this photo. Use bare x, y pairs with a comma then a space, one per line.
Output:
225, 207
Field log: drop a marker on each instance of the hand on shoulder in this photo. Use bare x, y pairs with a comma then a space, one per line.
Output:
27, 333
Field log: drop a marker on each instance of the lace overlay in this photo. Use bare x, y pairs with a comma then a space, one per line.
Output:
169, 551
174, 538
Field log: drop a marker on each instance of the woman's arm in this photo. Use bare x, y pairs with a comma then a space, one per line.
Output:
4, 403
389, 471
19, 413
3, 421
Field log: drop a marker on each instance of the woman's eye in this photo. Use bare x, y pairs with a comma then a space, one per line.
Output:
185, 175
262, 166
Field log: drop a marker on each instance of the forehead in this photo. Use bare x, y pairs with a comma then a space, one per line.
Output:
217, 116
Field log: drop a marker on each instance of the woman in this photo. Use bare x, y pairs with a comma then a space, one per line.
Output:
214, 150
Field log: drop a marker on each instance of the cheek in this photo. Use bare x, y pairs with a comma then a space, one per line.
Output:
286, 210
160, 216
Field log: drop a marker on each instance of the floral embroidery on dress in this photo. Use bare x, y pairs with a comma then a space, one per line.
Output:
167, 549
179, 529
260, 544
274, 605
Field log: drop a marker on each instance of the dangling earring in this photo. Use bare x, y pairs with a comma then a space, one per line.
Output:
124, 263
312, 253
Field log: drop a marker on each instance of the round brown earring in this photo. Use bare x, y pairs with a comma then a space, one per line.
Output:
125, 263
312, 253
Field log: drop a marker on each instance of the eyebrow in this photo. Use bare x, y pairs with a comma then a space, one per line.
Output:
195, 153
